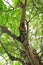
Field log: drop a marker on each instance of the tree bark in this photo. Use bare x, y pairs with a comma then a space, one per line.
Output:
24, 39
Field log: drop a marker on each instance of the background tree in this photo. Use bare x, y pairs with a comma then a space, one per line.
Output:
21, 32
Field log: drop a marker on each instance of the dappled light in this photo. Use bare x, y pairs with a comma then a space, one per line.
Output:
21, 32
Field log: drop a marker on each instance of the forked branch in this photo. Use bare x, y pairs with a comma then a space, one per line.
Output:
4, 29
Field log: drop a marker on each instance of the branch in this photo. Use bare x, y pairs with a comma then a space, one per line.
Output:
34, 3
33, 17
20, 4
38, 37
13, 8
9, 4
20, 1
25, 2
5, 30
10, 56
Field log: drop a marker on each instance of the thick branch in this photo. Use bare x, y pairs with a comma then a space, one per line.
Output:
10, 56
5, 30
29, 51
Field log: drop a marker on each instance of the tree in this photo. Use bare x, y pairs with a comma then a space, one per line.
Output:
22, 25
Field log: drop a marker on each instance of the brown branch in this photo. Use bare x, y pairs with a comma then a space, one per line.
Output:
20, 1
13, 58
20, 4
5, 30
28, 50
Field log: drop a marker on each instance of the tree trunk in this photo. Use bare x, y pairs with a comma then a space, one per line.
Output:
24, 40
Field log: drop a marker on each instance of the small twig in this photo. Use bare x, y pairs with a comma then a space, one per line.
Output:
35, 4
34, 16
20, 4
9, 4
4, 58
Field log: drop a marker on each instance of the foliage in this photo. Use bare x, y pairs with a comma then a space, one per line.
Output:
10, 18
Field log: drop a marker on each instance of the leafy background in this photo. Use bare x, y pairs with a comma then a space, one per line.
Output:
11, 19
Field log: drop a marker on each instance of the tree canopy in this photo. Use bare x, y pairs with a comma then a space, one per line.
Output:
14, 15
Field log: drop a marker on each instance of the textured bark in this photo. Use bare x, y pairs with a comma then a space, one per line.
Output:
24, 39
23, 35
